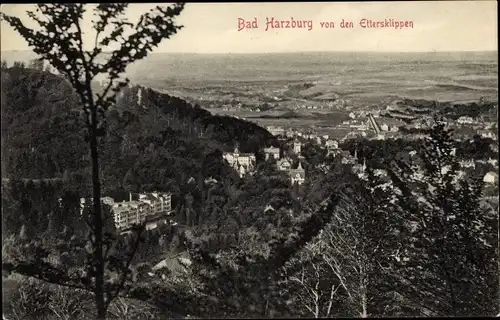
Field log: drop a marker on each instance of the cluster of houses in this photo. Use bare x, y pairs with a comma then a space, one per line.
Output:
359, 124
364, 126
275, 131
382, 131
466, 120
151, 208
487, 134
291, 133
243, 163
297, 175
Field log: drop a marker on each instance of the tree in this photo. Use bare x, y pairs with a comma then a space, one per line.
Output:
241, 274
447, 258
60, 42
67, 304
18, 65
36, 64
130, 180
312, 284
352, 254
30, 301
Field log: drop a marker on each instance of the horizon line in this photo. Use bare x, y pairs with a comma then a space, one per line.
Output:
291, 52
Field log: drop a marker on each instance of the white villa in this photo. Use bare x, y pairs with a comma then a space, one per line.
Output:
332, 144
244, 163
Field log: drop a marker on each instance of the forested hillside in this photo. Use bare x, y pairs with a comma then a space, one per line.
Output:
151, 136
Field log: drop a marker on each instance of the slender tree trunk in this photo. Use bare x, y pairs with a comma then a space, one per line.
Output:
364, 312
316, 296
364, 298
97, 215
330, 302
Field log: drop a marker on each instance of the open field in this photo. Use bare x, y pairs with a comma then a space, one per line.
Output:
361, 77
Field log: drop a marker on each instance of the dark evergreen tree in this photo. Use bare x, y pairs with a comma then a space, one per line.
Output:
447, 261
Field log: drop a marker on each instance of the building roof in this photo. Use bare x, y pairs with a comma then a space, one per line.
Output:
269, 208
299, 172
491, 176
139, 204
284, 163
149, 197
211, 180
176, 264
120, 209
251, 155
158, 217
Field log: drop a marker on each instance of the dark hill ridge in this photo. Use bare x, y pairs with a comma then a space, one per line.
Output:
413, 109
151, 138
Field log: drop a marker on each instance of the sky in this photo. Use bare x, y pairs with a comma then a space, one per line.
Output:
213, 27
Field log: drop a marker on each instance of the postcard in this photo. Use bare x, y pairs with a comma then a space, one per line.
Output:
250, 160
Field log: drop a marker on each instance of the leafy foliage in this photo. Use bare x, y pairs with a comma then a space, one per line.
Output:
448, 251
60, 42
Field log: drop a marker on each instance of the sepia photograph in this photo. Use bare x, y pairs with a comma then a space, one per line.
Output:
249, 160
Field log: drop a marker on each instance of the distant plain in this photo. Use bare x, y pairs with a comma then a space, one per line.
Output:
359, 76
361, 80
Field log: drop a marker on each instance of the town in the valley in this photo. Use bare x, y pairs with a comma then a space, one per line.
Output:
155, 207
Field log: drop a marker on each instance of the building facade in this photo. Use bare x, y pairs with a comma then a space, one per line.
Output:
272, 152
243, 163
297, 147
148, 206
297, 175
332, 144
